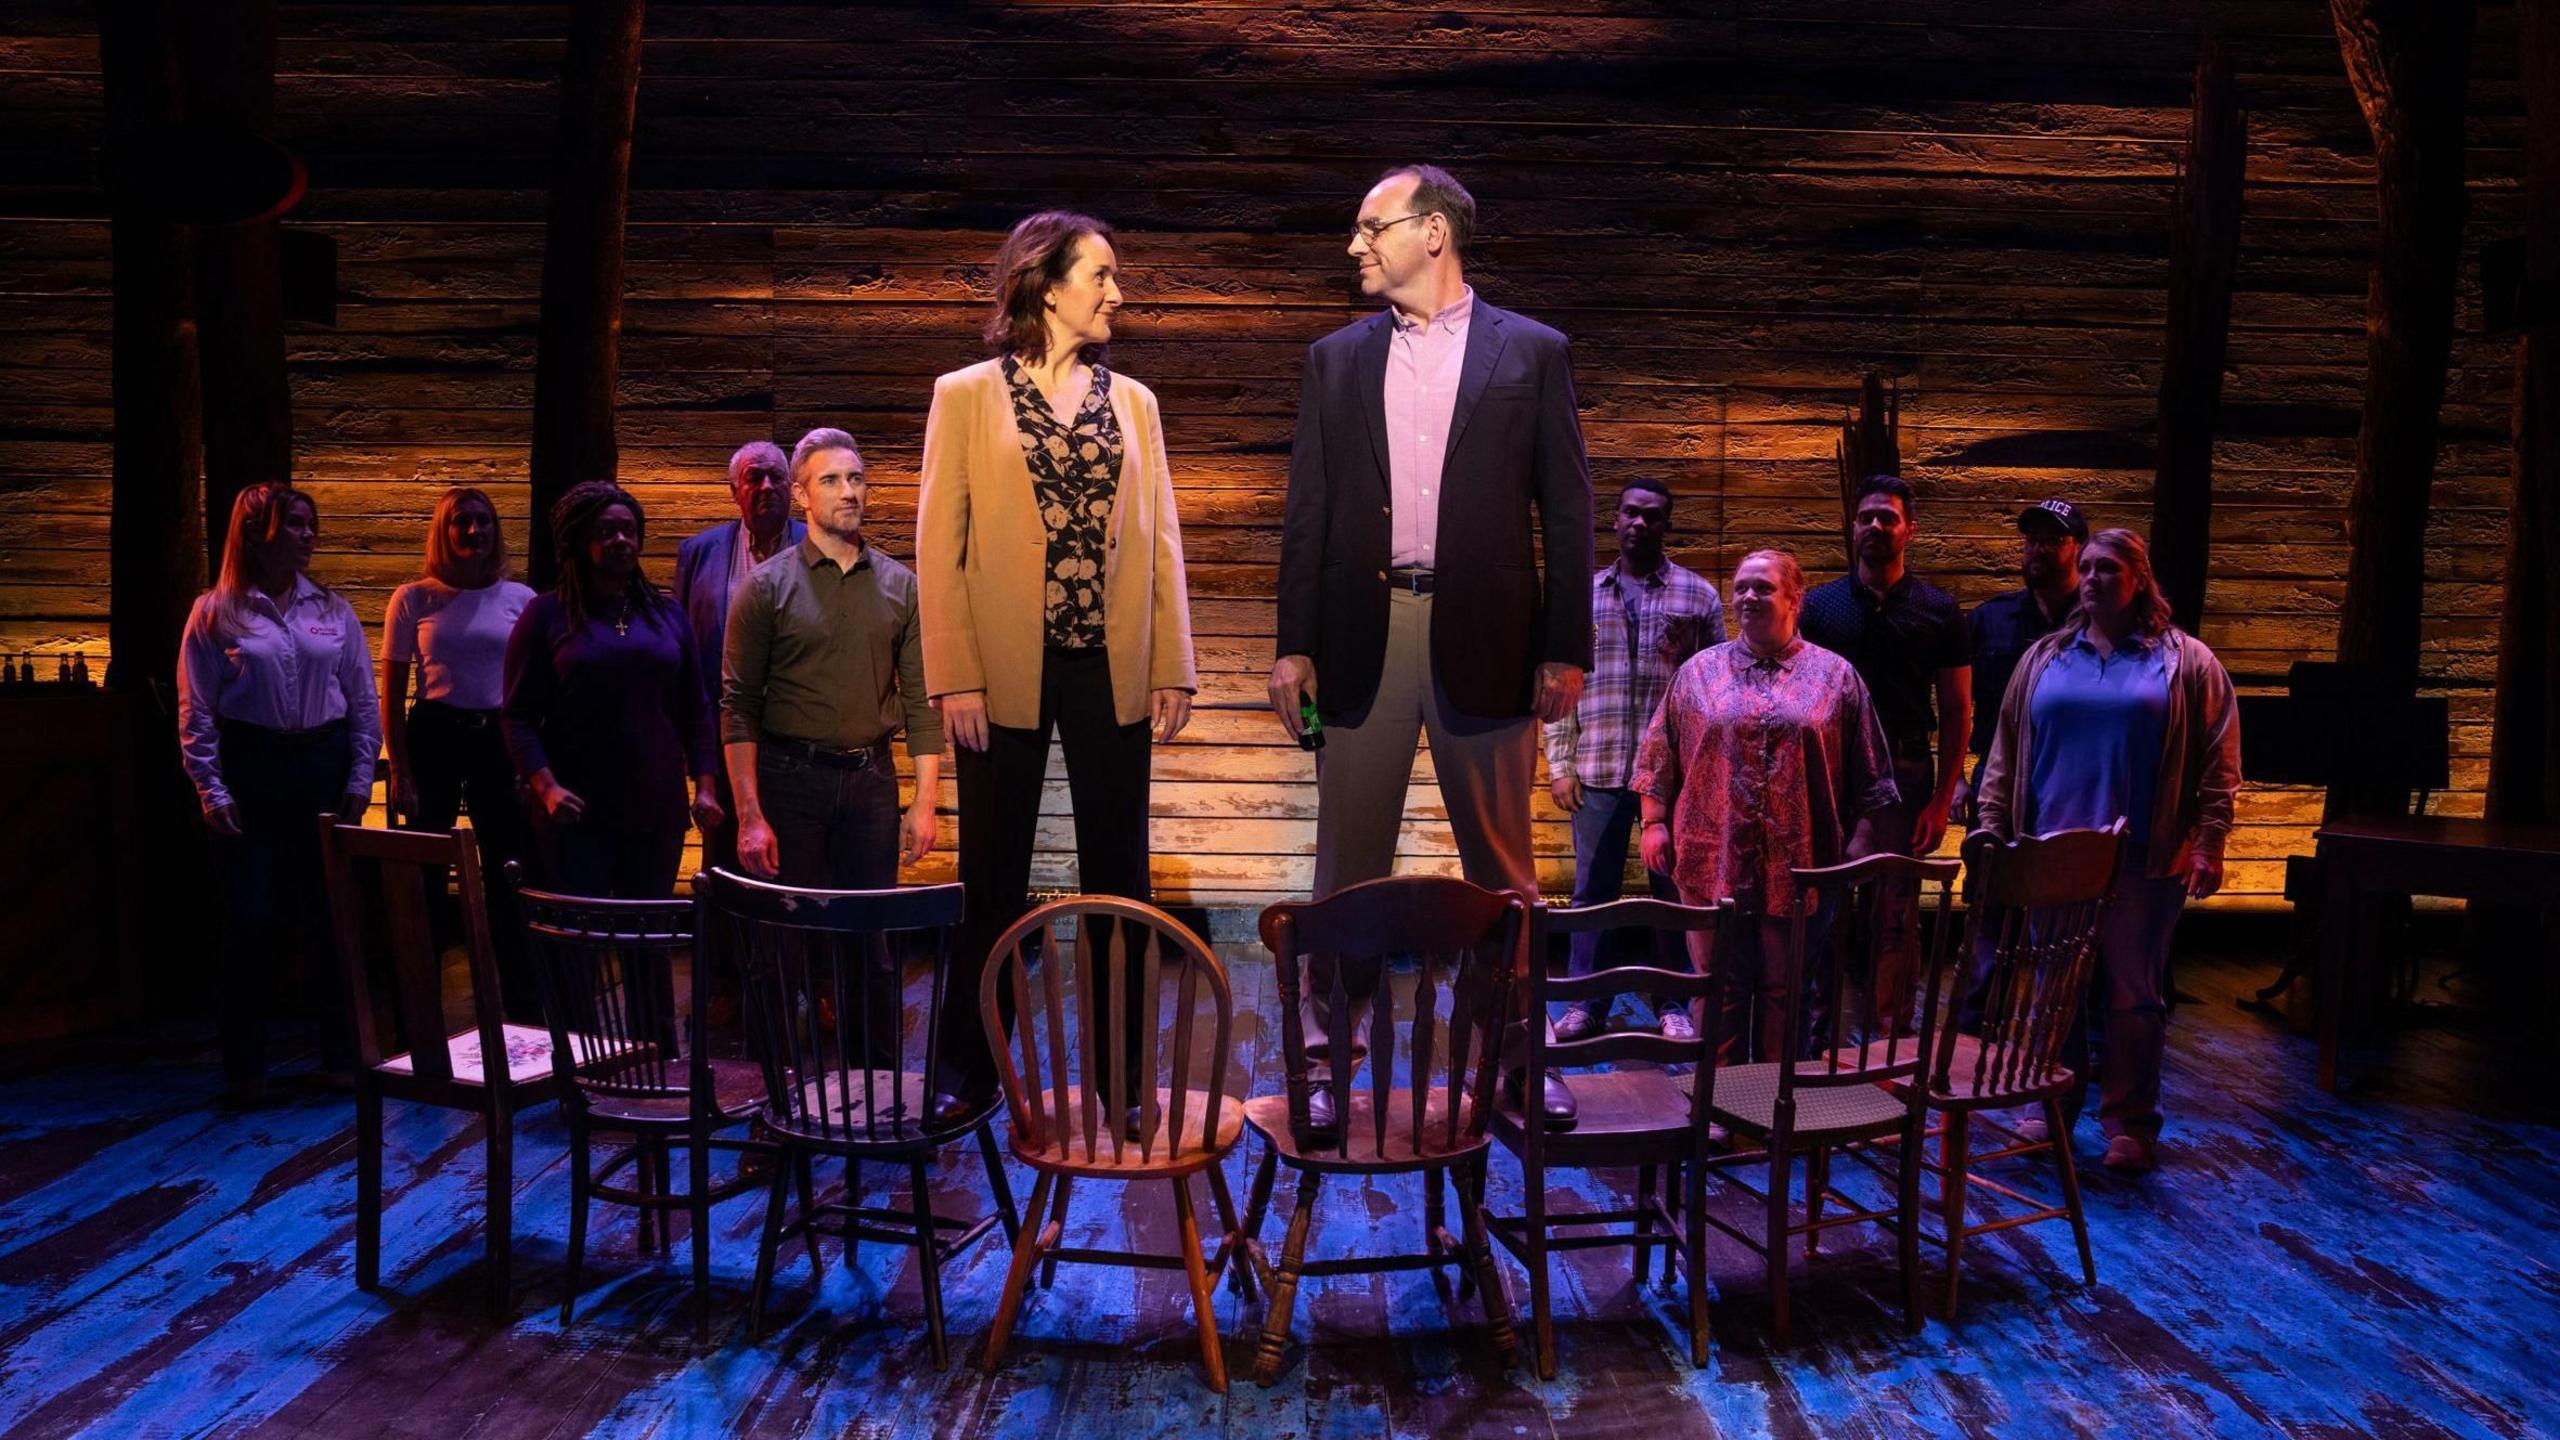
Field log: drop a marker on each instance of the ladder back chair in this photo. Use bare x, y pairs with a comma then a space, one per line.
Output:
382, 887
2033, 911
1467, 945
1640, 1118
643, 1069
1143, 1099
844, 1074
1865, 1044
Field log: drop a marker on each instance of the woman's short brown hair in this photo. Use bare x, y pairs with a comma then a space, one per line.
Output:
1036, 256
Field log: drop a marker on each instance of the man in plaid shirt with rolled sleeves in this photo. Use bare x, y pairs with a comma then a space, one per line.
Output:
1648, 616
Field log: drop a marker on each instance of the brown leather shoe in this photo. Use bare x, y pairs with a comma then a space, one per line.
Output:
2131, 1155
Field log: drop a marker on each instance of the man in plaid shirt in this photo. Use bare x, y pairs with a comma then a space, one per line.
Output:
1648, 616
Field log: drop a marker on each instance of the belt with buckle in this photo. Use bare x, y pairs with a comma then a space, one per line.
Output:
1412, 582
828, 755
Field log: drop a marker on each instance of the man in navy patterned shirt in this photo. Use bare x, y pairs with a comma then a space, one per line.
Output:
1648, 616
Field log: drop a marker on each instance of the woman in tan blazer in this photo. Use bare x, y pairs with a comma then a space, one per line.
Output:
1049, 568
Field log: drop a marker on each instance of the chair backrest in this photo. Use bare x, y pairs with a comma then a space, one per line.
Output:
1701, 988
606, 972
1864, 1018
2033, 908
383, 889
824, 987
1069, 1079
1468, 946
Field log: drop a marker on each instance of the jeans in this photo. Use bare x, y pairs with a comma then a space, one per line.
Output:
459, 764
275, 900
1600, 832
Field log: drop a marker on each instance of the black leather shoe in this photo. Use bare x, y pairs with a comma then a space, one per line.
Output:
1556, 1103
946, 1108
1320, 1120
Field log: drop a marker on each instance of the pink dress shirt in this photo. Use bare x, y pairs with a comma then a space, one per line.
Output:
1423, 364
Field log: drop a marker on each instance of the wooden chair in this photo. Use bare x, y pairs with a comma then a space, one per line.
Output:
605, 972
1142, 1100
382, 884
1641, 1118
1846, 1095
2033, 911
1468, 945
844, 1075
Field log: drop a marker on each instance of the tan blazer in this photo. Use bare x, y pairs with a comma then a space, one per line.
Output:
982, 555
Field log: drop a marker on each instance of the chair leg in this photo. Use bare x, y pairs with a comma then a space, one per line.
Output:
997, 1184
928, 1260
802, 1166
2070, 1169
698, 1218
1673, 1189
1240, 1274
1694, 1219
1257, 1206
1057, 1217
581, 1176
1645, 1176
1952, 1148
1026, 1248
650, 1230
1479, 1237
776, 1199
1782, 1174
1204, 1310
502, 1198
1533, 1185
1817, 1178
1284, 1283
368, 1188
1906, 1210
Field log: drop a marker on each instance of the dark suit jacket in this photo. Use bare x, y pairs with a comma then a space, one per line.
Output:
702, 590
1514, 469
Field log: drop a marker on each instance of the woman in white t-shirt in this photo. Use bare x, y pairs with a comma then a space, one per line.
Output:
447, 759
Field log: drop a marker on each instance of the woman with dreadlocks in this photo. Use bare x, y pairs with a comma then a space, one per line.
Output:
603, 713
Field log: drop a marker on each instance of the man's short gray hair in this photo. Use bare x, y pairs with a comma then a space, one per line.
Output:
822, 438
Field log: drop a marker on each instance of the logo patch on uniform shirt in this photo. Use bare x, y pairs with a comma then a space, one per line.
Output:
321, 632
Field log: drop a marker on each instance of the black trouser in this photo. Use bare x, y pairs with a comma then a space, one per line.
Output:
275, 900
459, 765
836, 828
609, 859
999, 813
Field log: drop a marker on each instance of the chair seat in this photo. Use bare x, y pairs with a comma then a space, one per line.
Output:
1612, 1107
528, 1056
1746, 1096
1359, 1149
1202, 1144
737, 1088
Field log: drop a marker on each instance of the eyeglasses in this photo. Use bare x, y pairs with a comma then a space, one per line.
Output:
1371, 229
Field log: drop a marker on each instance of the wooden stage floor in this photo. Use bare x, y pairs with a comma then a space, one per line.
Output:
2302, 1265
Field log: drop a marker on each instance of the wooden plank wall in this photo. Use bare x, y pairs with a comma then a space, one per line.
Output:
1734, 207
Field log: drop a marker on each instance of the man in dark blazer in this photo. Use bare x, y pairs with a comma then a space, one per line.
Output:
1437, 447
709, 569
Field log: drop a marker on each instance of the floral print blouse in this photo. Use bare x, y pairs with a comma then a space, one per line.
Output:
1075, 475
1766, 765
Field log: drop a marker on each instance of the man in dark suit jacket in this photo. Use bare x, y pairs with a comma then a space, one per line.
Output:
709, 569
1437, 446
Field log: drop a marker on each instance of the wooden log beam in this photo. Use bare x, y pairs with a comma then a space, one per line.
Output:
156, 549
227, 60
576, 356
2408, 61
2203, 255
2524, 754
1870, 444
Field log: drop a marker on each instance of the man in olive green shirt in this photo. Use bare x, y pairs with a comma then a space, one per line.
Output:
824, 662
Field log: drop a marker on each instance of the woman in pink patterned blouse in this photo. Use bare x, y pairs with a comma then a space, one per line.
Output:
1765, 756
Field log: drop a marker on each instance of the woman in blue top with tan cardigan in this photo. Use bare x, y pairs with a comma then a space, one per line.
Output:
2120, 715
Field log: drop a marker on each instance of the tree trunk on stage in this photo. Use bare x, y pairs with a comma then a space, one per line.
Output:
1870, 444
2409, 62
576, 355
228, 58
156, 550
2524, 754
2204, 252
